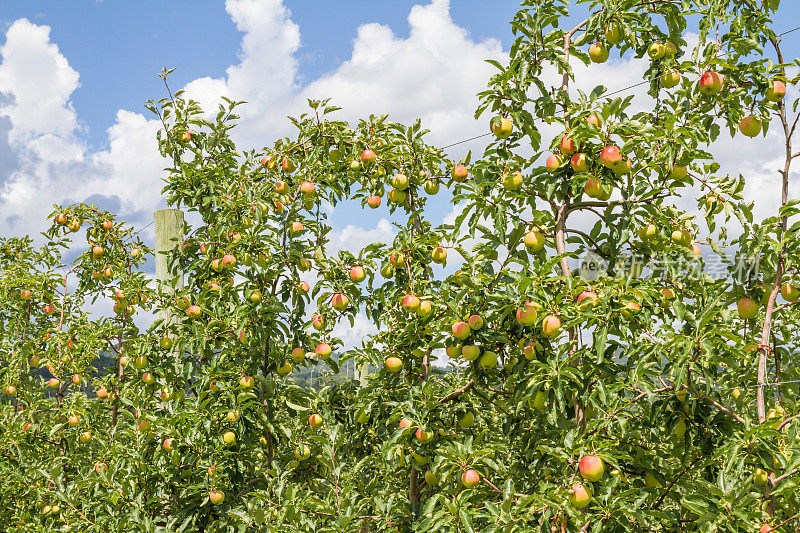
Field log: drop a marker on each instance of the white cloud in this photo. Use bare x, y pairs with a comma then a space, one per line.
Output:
353, 238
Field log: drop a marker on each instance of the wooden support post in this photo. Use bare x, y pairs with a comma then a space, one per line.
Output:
169, 233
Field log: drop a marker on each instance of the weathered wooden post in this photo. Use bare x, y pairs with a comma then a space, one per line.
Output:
169, 233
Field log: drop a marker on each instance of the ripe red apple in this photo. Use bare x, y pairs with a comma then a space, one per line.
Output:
76, 379
28, 426
461, 330
598, 52
470, 479
553, 162
631, 308
25, 294
579, 496
194, 311
11, 390
711, 83
53, 383
747, 308
750, 126
246, 382
567, 145
97, 252
765, 528
411, 303
357, 274
315, 420
405, 423
323, 350
502, 127
587, 299
394, 364
610, 157
591, 467
551, 326
48, 309
61, 219
340, 301
424, 436
148, 378
460, 173
169, 444
303, 286
594, 120
368, 156
318, 322
102, 393
228, 261
397, 259
776, 91
307, 188
74, 225
579, 162
374, 201
475, 322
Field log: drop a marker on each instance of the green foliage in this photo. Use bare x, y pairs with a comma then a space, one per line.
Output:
658, 375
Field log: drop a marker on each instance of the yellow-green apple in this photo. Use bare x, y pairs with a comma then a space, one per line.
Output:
25, 294
623, 167
194, 311
298, 355
216, 497
431, 187
668, 293
656, 51
169, 444
747, 308
431, 478
760, 477
460, 173
648, 232
776, 91
512, 181
593, 188
711, 83
470, 352
281, 187
527, 315
308, 188
425, 308
579, 162
789, 291
400, 182
681, 236
397, 259
551, 326
750, 126
453, 351
97, 252
579, 495
598, 52
318, 322
73, 420
74, 225
396, 196
315, 420
439, 255
246, 382
502, 127
61, 219
553, 162
534, 240
228, 261
631, 308
323, 350
85, 437
140, 362
148, 378
651, 481
461, 330
613, 33
302, 452
145, 425
394, 364
488, 360
470, 479
467, 420
670, 78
